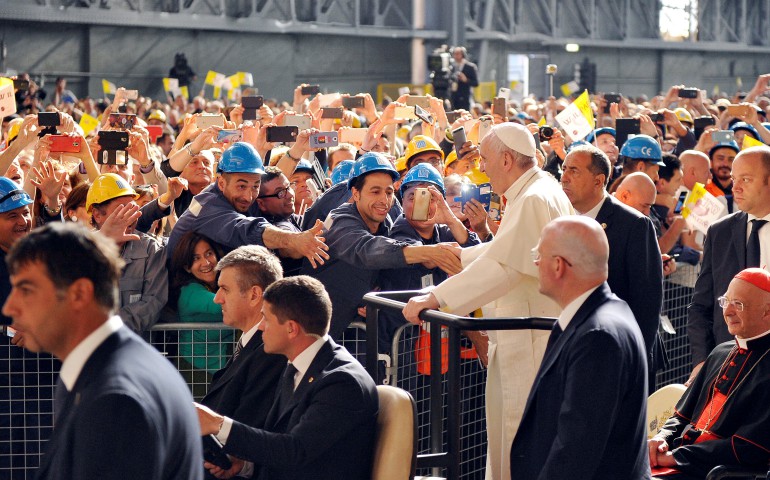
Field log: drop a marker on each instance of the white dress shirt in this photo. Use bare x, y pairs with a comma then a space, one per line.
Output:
73, 364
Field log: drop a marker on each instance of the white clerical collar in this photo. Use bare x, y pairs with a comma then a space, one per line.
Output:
302, 361
572, 307
73, 364
743, 342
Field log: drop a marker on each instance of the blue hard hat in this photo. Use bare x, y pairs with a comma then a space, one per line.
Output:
342, 171
577, 144
372, 162
304, 166
241, 157
600, 131
745, 126
732, 145
643, 147
423, 173
12, 196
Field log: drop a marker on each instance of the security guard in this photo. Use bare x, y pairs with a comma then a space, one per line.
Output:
226, 212
357, 235
144, 281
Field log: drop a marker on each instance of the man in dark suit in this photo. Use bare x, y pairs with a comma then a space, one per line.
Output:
586, 413
733, 243
635, 267
122, 411
464, 76
322, 423
244, 389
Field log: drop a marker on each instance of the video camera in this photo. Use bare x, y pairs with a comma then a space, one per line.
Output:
439, 64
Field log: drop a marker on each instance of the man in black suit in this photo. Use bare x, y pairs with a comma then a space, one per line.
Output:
586, 413
322, 423
122, 411
244, 389
635, 267
464, 76
733, 243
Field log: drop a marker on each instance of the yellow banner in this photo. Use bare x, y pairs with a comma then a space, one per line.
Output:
88, 123
210, 76
749, 141
185, 92
109, 88
583, 102
235, 81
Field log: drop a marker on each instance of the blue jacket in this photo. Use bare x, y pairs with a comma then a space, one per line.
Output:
356, 257
333, 198
213, 216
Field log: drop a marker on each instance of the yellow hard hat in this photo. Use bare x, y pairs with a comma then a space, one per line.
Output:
403, 132
13, 129
106, 187
477, 176
157, 115
451, 158
683, 115
400, 164
420, 144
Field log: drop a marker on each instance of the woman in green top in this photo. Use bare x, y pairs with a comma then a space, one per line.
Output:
193, 266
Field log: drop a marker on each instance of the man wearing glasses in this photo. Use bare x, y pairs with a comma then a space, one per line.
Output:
718, 420
276, 203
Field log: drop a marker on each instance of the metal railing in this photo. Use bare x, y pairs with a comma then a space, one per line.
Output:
439, 457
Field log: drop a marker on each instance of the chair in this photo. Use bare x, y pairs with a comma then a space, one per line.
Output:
660, 406
395, 449
724, 472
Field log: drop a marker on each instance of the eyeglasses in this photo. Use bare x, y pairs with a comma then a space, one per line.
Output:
281, 193
724, 302
536, 257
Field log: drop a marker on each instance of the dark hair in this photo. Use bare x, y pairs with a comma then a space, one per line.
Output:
69, 252
672, 164
256, 265
302, 299
271, 172
600, 163
76, 197
182, 260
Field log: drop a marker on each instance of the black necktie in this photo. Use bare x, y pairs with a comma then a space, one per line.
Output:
59, 398
752, 248
555, 332
287, 385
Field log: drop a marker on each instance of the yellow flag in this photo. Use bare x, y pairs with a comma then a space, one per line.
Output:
210, 76
513, 84
235, 81
541, 122
166, 86
108, 87
185, 92
583, 102
698, 191
749, 141
88, 123
246, 78
217, 92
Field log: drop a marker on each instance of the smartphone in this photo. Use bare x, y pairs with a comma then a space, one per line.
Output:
723, 136
214, 454
302, 122
331, 112
311, 89
20, 85
421, 205
113, 139
458, 135
353, 102
111, 157
485, 125
405, 113
656, 117
611, 98
423, 115
132, 94
481, 193
251, 104
738, 110
504, 93
48, 119
680, 203
65, 143
205, 120
324, 140
500, 106
353, 136
155, 132
282, 134
700, 124
689, 93
124, 121
229, 136
625, 127
452, 116
418, 100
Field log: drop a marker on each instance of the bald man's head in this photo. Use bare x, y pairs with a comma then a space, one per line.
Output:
637, 191
696, 167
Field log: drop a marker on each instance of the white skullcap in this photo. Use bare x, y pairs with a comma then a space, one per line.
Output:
516, 137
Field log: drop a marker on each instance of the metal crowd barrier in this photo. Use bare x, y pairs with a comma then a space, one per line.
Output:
441, 457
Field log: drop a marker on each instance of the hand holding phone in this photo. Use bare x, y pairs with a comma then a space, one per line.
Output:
421, 204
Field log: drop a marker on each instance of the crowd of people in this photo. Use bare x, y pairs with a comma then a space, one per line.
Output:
222, 212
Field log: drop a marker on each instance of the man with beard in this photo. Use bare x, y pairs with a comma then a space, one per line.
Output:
276, 201
721, 185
